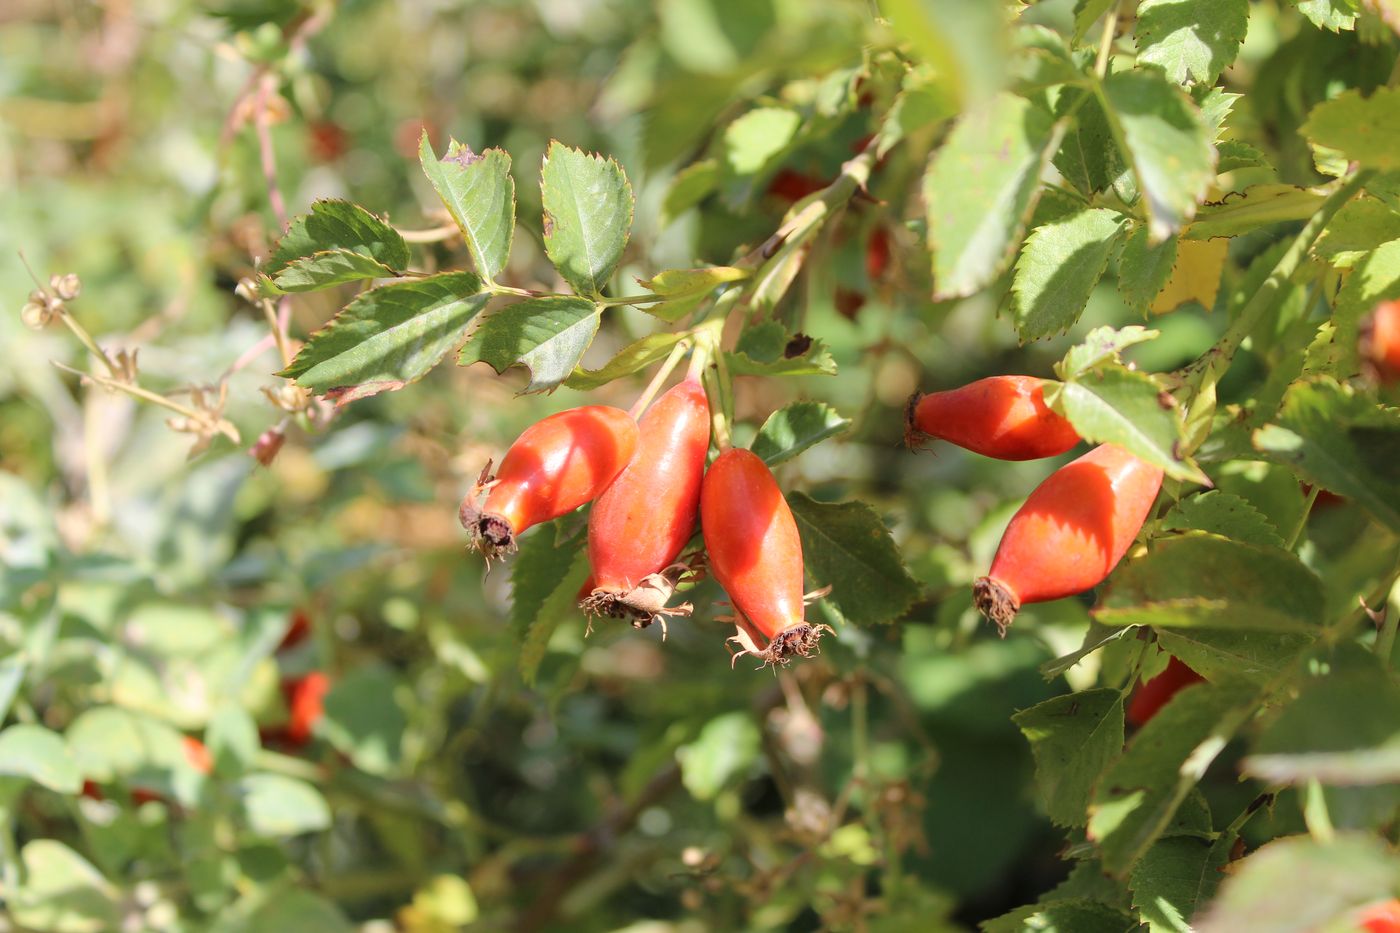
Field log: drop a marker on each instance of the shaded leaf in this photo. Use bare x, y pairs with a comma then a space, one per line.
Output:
560, 604
768, 350
1296, 884
1219, 654
980, 189
1138, 795
847, 547
587, 215
1176, 878
1223, 514
789, 431
548, 336
1076, 915
1333, 15
689, 187
1073, 739
1341, 441
479, 193
923, 101
1144, 268
364, 720
388, 337
1236, 154
1197, 579
1058, 269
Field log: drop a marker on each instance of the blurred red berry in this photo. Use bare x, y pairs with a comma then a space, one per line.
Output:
1153, 694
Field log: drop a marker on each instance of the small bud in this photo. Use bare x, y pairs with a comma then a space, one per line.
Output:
67, 286
36, 315
247, 289
267, 445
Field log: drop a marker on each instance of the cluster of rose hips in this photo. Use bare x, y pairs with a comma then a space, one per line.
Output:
1077, 524
648, 484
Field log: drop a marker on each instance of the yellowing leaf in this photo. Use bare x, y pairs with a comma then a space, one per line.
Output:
1195, 276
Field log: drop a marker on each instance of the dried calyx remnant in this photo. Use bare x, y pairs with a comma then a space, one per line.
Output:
646, 602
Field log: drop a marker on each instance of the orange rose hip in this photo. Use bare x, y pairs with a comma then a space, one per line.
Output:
1004, 417
1070, 534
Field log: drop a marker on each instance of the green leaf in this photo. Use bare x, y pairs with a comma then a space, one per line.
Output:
1086, 13
1333, 15
232, 739
685, 289
793, 429
1359, 227
963, 42
689, 187
1073, 739
980, 189
1375, 278
1144, 268
1138, 795
36, 754
63, 893
923, 101
587, 215
1257, 206
1102, 345
560, 604
767, 350
546, 335
1364, 129
479, 193
337, 242
1073, 915
1191, 39
1343, 729
1220, 654
277, 805
1296, 884
753, 146
364, 719
12, 671
295, 909
388, 337
1058, 269
1176, 878
1223, 514
1167, 142
1089, 157
111, 744
726, 748
630, 359
847, 547
1111, 404
1236, 154
1341, 441
535, 571
1199, 579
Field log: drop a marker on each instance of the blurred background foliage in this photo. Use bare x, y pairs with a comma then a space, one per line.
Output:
635, 785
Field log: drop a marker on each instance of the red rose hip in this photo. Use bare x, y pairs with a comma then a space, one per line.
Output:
1152, 695
555, 466
1070, 534
1001, 416
641, 522
756, 555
